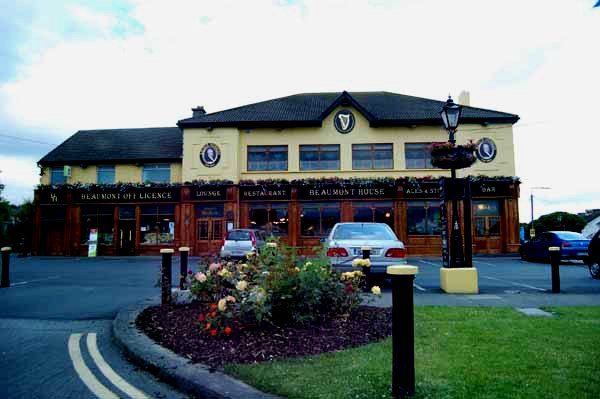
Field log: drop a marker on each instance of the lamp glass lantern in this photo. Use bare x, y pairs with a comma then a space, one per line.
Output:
451, 114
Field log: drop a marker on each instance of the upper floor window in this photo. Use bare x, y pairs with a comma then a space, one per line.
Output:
267, 157
105, 174
320, 157
418, 155
57, 175
372, 156
157, 173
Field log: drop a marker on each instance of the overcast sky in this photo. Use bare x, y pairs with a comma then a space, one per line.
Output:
71, 65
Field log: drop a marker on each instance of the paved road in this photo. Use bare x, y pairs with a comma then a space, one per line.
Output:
55, 319
55, 325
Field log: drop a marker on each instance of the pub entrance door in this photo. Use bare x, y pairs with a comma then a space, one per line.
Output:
209, 235
126, 231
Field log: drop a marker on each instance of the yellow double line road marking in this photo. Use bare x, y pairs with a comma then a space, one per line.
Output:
88, 378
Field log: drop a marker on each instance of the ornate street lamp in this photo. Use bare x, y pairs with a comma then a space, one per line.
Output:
450, 114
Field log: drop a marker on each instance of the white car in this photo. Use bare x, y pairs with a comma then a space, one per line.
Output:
346, 241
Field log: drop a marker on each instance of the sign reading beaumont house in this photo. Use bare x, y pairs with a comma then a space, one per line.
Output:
320, 192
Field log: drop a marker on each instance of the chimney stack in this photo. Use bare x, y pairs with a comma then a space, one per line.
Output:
198, 111
464, 98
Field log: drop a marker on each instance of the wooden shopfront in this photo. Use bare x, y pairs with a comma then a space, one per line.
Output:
128, 221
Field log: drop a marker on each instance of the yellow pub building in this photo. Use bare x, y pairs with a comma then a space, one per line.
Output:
292, 166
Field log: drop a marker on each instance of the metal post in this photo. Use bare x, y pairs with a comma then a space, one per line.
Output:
183, 266
165, 284
366, 254
555, 265
5, 267
403, 330
456, 251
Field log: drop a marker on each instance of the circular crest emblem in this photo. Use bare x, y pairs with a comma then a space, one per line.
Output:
344, 121
486, 150
210, 155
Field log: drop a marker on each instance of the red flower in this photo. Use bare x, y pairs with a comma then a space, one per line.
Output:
201, 317
228, 330
213, 306
349, 288
213, 333
214, 314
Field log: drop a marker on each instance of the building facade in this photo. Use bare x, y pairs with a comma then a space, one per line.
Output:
292, 166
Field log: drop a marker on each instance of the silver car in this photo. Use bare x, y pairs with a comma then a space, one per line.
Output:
346, 242
239, 242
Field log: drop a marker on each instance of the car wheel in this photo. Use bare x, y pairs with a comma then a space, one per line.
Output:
523, 255
595, 269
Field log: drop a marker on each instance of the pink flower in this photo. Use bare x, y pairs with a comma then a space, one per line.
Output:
213, 267
200, 277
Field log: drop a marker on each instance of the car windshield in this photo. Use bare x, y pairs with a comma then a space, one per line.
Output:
363, 232
238, 235
570, 235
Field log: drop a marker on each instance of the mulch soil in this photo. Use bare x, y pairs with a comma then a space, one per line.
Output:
176, 327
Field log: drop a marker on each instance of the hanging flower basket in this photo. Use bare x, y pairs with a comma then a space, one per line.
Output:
449, 156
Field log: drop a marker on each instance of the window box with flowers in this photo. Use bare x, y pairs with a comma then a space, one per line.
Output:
450, 156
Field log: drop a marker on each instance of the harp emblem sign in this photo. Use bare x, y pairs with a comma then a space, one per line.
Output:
344, 121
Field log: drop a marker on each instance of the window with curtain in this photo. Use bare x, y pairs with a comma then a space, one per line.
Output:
272, 218
423, 218
157, 173
267, 157
372, 156
157, 224
320, 157
486, 214
317, 219
100, 218
374, 212
57, 175
105, 174
418, 155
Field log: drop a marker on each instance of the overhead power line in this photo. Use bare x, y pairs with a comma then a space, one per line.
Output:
27, 140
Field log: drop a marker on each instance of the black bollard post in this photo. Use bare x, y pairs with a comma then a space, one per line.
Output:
165, 283
366, 254
183, 266
403, 330
555, 265
5, 267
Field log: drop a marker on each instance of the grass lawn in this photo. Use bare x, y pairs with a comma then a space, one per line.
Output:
459, 353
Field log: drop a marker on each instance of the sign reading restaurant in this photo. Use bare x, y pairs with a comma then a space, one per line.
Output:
250, 193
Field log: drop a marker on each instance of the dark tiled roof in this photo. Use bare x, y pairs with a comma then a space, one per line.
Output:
309, 109
144, 144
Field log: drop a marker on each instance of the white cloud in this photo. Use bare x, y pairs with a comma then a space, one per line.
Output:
534, 58
19, 176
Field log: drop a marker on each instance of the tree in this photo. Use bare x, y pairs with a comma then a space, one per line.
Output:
561, 221
5, 218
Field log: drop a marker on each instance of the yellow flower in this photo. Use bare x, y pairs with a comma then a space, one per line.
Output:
230, 298
296, 270
241, 285
250, 255
224, 273
361, 262
376, 290
222, 305
308, 264
272, 244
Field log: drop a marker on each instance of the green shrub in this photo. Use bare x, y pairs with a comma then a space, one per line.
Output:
275, 286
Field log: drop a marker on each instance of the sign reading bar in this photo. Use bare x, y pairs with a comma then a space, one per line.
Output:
132, 195
249, 193
491, 188
423, 189
340, 192
209, 193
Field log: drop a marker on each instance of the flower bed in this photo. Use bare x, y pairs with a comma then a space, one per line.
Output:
450, 156
271, 297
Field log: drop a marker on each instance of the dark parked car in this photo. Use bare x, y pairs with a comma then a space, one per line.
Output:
594, 256
572, 246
